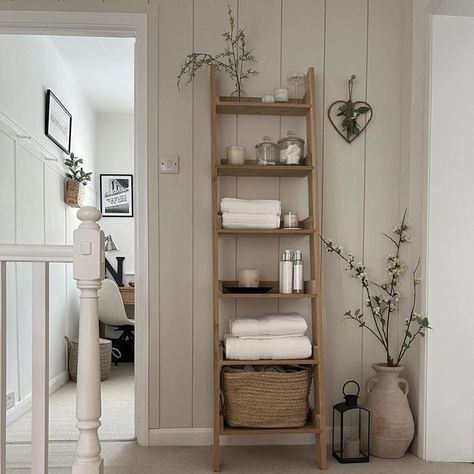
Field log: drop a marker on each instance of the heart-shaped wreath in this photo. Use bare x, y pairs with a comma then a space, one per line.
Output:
350, 112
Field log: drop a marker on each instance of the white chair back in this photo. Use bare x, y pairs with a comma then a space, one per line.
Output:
111, 308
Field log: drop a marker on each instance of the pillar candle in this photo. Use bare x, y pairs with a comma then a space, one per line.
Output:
248, 278
351, 448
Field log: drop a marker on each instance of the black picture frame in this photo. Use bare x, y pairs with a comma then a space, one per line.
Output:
57, 117
116, 195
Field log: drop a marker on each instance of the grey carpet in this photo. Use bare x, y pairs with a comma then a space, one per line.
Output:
117, 411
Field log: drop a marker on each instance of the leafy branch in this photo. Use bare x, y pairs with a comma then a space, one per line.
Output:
351, 114
232, 60
75, 170
383, 299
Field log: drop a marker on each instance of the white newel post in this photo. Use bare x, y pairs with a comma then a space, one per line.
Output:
89, 267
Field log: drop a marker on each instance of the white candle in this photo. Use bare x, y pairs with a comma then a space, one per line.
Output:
351, 448
281, 94
248, 278
235, 155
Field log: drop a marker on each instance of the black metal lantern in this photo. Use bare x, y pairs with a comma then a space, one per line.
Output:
350, 429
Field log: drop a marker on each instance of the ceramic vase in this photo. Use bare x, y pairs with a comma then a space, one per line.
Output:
391, 421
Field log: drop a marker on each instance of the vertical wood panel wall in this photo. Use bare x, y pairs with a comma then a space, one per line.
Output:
360, 182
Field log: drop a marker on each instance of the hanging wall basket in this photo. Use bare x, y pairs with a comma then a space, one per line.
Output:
74, 193
349, 114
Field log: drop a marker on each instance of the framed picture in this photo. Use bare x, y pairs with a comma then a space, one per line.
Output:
58, 122
116, 195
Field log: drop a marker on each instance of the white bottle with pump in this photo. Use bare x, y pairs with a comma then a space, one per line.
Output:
298, 283
286, 272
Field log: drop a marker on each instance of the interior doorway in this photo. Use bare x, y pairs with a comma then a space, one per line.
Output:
104, 26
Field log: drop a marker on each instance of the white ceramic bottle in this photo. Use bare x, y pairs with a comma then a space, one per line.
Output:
286, 272
298, 284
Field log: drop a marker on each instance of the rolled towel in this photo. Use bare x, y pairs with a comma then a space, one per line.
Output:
277, 324
238, 348
250, 221
248, 206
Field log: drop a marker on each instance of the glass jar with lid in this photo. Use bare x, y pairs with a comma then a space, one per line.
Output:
291, 149
267, 152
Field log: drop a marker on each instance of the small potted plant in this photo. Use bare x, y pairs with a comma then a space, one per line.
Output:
392, 426
76, 179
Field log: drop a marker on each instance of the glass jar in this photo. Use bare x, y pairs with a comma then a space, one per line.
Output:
291, 149
267, 152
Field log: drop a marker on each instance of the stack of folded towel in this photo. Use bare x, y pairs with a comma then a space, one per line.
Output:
272, 336
250, 214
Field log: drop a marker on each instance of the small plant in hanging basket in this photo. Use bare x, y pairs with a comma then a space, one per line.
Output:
232, 60
76, 179
350, 113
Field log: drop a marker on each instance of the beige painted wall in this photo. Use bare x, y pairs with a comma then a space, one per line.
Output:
360, 182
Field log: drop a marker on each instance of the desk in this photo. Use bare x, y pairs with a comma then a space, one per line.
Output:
128, 294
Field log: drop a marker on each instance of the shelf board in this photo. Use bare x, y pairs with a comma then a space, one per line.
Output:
310, 361
266, 232
250, 168
270, 295
255, 106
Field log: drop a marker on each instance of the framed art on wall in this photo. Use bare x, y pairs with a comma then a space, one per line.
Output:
58, 122
116, 195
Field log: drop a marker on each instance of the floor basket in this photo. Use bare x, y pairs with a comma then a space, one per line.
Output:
105, 357
276, 399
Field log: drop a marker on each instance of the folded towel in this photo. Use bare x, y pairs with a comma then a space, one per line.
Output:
250, 221
246, 206
238, 348
278, 324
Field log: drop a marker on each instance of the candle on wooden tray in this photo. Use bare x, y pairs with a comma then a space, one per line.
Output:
248, 278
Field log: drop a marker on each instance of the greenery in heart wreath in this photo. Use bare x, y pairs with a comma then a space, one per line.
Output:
350, 112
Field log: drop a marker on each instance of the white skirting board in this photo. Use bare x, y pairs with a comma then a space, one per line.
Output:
204, 437
24, 406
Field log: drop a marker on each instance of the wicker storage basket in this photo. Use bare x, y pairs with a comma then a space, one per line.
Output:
266, 399
74, 193
105, 357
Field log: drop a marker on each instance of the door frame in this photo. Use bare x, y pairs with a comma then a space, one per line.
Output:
110, 24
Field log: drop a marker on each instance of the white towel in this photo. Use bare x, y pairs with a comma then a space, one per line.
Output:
277, 324
238, 348
250, 221
246, 206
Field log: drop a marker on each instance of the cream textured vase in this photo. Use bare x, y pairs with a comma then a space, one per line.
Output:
391, 422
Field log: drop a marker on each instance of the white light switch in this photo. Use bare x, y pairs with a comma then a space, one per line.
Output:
169, 164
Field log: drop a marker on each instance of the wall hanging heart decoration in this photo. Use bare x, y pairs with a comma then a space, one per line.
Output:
350, 112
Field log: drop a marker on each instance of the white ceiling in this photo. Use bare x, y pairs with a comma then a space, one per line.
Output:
103, 68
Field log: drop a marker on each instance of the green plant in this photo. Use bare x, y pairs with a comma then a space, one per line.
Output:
350, 112
383, 299
75, 170
232, 60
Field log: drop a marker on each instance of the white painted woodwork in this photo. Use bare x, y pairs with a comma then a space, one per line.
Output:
88, 271
40, 369
3, 366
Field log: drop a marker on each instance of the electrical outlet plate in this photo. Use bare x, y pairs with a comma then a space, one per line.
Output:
169, 164
10, 400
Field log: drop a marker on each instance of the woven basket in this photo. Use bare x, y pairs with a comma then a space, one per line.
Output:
266, 399
105, 357
74, 193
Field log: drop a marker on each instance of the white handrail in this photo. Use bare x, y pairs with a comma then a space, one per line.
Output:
36, 253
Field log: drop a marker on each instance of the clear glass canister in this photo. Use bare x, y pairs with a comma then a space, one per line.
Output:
267, 152
291, 149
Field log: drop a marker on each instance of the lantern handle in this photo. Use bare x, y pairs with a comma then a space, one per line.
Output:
348, 382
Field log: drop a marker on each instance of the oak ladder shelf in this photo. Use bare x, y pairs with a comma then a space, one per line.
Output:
316, 423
